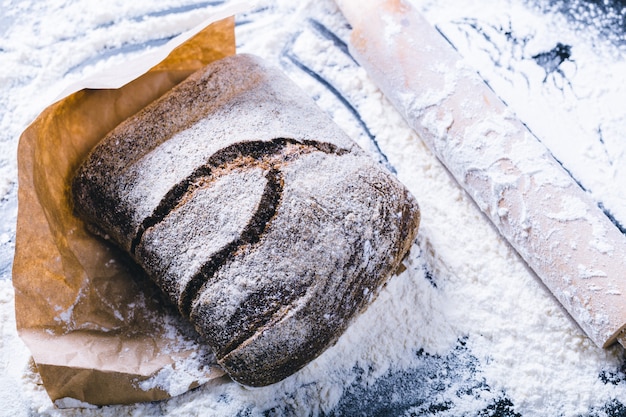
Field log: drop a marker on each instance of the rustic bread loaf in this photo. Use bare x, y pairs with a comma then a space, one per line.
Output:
258, 217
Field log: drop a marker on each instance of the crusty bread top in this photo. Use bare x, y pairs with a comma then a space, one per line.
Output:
230, 98
259, 218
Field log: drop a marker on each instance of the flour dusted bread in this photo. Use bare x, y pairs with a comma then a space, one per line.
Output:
256, 215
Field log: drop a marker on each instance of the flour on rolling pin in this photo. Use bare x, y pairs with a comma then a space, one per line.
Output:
535, 204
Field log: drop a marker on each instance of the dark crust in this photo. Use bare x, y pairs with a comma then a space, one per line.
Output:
251, 368
270, 155
227, 157
250, 235
276, 325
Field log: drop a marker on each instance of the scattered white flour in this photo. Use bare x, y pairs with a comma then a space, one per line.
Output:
176, 381
566, 80
525, 344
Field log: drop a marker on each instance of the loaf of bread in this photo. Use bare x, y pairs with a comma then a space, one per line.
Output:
252, 211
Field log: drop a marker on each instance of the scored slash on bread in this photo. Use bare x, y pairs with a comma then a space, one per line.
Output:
234, 162
257, 216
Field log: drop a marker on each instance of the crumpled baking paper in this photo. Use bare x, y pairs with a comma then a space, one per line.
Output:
98, 330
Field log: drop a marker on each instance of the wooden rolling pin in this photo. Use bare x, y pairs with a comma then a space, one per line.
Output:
554, 225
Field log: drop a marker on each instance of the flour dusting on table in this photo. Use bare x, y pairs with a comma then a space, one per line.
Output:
466, 328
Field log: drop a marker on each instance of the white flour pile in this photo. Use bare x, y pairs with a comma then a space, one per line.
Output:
463, 282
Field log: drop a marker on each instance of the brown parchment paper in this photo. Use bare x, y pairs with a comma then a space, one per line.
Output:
98, 330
